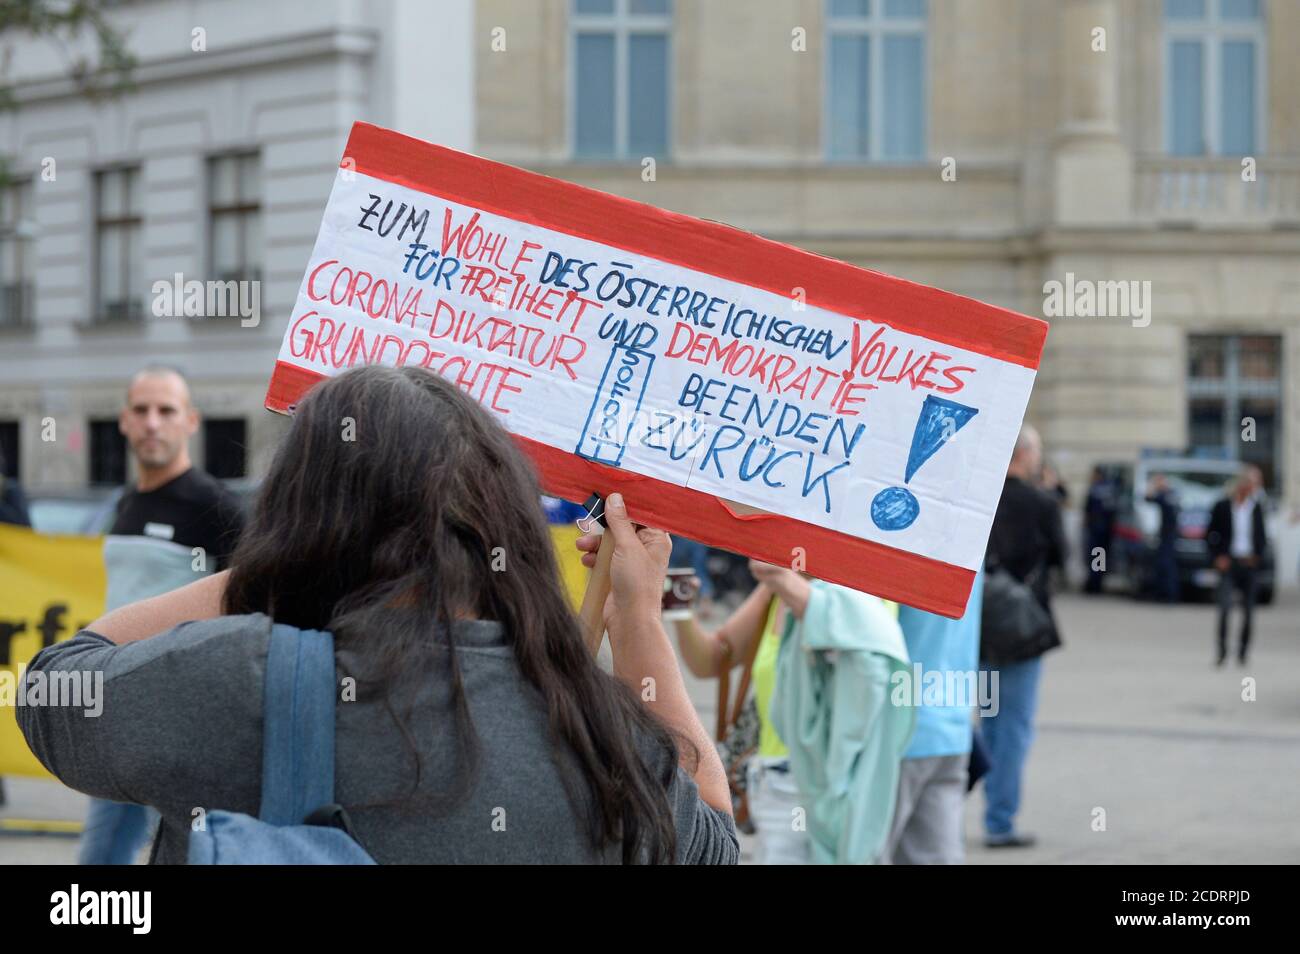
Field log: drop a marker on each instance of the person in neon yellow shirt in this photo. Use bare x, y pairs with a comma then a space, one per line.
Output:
764, 678
774, 614
749, 635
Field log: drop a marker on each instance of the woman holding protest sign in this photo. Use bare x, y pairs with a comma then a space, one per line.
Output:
471, 722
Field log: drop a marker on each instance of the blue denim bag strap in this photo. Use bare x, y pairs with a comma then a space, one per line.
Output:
298, 725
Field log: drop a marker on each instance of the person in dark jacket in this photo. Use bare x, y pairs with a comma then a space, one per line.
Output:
1165, 567
1237, 541
1099, 522
1026, 540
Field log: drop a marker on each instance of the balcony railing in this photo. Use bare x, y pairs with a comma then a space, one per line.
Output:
1212, 191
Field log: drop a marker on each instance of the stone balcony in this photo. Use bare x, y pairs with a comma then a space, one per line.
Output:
1212, 192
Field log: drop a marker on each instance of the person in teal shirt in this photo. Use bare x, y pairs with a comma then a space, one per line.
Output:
945, 680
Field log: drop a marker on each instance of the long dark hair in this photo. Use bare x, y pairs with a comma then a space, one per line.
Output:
379, 521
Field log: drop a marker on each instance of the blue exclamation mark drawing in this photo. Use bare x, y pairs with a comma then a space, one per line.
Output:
895, 508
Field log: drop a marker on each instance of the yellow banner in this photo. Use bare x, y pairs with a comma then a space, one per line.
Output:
50, 587
53, 586
572, 572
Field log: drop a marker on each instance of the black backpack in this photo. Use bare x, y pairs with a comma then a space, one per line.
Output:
1014, 625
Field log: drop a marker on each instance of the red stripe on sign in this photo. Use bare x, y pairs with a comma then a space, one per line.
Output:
288, 384
836, 557
688, 242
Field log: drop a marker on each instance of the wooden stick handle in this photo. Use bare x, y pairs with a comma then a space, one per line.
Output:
592, 613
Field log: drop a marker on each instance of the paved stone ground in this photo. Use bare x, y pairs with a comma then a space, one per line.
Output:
1133, 719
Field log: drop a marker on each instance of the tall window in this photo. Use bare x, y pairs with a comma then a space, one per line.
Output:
1234, 389
235, 218
875, 80
620, 78
118, 228
225, 442
17, 255
107, 453
1214, 77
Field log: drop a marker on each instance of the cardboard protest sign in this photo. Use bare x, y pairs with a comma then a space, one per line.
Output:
744, 393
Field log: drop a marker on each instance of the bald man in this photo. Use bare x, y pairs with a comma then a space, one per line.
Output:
196, 522
172, 500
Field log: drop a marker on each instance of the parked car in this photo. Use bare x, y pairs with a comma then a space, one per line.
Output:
1197, 484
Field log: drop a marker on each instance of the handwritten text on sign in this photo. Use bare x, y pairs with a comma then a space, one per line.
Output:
667, 371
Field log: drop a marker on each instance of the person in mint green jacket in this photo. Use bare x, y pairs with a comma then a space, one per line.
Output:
840, 651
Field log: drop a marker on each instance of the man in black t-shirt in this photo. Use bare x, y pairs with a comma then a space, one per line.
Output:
193, 510
196, 520
171, 499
